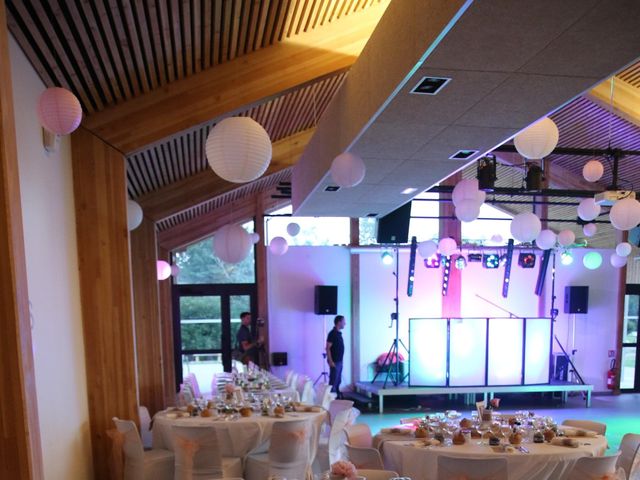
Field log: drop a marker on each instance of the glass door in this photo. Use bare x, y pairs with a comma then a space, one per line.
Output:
629, 374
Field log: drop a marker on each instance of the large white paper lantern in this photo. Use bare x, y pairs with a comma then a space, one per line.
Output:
525, 227
59, 110
231, 244
278, 246
623, 249
625, 214
163, 270
347, 170
238, 149
546, 239
134, 215
566, 238
538, 140
467, 189
590, 229
293, 229
588, 209
592, 171
467, 210
427, 248
447, 246
617, 261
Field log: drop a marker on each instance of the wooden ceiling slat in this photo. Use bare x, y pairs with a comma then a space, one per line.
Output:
126, 45
270, 27
175, 31
251, 33
138, 28
164, 30
235, 28
198, 17
283, 7
262, 21
243, 28
299, 21
318, 12
217, 32
155, 40
327, 11
294, 6
226, 29
207, 36
187, 40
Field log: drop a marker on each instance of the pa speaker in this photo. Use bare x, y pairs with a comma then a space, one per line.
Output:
394, 227
561, 367
279, 359
576, 299
326, 300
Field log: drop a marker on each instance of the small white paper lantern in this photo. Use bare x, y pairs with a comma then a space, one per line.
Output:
623, 249
546, 239
447, 246
538, 140
592, 171
427, 248
278, 246
588, 209
293, 229
592, 260
467, 210
525, 227
255, 238
347, 170
467, 189
59, 110
497, 238
566, 238
231, 244
238, 149
175, 270
163, 270
134, 215
590, 229
617, 261
625, 214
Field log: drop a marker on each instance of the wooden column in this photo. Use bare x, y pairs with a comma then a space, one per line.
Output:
166, 327
147, 316
451, 228
105, 288
20, 451
621, 236
261, 272
355, 300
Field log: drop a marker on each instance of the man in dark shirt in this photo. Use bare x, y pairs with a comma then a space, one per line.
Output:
246, 344
335, 354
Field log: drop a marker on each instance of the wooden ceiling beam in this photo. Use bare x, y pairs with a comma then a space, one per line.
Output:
626, 99
206, 185
236, 84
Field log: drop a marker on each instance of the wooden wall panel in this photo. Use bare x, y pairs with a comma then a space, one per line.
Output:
166, 327
105, 287
20, 452
261, 274
147, 316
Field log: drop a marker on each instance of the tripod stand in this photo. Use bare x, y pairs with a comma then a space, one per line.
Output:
392, 359
323, 375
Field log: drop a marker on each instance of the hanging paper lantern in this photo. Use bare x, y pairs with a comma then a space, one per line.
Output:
566, 238
625, 214
467, 189
427, 249
538, 140
293, 229
590, 229
255, 238
175, 270
496, 238
59, 111
278, 246
347, 170
447, 246
231, 244
467, 210
588, 209
623, 249
546, 239
525, 227
592, 171
134, 215
592, 260
238, 149
617, 261
163, 270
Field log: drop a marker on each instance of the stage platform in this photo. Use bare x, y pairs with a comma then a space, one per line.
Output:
470, 393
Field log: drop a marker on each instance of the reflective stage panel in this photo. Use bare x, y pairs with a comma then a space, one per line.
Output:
537, 348
428, 339
467, 351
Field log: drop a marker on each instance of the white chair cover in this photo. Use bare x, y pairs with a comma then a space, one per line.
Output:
597, 427
359, 435
287, 377
597, 468
337, 406
300, 382
197, 454
630, 455
193, 382
324, 395
294, 381
376, 474
333, 449
145, 427
366, 458
308, 395
456, 468
140, 465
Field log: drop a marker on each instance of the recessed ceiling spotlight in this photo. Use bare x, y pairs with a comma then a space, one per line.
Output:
463, 154
409, 190
430, 85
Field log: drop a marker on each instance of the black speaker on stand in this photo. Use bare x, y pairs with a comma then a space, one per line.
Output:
576, 299
326, 300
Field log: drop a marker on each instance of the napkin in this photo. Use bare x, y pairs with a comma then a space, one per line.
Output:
564, 442
397, 431
578, 432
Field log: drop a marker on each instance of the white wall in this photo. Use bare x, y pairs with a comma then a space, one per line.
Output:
52, 276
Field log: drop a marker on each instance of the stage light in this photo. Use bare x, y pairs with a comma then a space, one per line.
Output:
433, 261
527, 260
412, 265
387, 258
534, 178
491, 260
446, 272
486, 173
507, 269
461, 262
474, 257
566, 258
542, 273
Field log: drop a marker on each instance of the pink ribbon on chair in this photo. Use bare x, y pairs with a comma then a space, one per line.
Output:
117, 458
189, 447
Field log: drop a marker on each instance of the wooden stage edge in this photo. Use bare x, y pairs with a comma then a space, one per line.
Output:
377, 388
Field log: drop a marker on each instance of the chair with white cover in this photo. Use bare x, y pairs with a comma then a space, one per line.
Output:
307, 395
337, 406
288, 455
359, 435
193, 381
324, 395
598, 427
198, 454
597, 468
454, 468
300, 382
156, 464
332, 449
145, 427
376, 474
630, 455
365, 457
293, 381
287, 377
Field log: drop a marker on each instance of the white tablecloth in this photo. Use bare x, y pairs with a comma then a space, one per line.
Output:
543, 462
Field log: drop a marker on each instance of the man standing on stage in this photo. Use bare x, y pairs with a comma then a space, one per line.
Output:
335, 353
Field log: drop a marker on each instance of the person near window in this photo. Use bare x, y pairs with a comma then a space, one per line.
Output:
247, 345
335, 354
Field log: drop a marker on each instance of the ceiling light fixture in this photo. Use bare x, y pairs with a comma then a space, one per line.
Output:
409, 190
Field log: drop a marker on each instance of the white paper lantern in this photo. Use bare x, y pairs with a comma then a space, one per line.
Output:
163, 270
293, 229
623, 249
59, 110
617, 261
278, 246
592, 171
238, 149
427, 248
134, 215
590, 229
525, 227
467, 189
538, 140
347, 170
467, 210
175, 270
231, 244
625, 214
447, 246
255, 238
546, 239
588, 209
566, 238
496, 238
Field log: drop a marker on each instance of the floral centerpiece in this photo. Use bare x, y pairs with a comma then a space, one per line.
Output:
343, 469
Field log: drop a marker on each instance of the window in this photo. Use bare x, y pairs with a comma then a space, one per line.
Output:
481, 231
316, 231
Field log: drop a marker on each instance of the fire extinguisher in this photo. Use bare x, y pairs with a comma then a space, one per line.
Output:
611, 376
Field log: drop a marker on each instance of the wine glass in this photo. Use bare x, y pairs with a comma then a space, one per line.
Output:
483, 429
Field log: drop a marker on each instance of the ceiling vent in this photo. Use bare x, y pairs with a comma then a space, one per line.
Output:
430, 85
463, 154
331, 188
